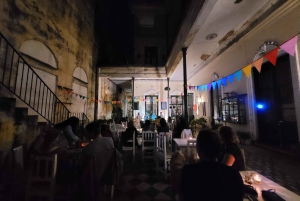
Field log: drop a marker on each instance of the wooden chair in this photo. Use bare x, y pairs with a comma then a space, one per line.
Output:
41, 180
148, 137
162, 155
191, 151
131, 148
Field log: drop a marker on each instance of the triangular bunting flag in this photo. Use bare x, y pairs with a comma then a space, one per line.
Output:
59, 87
209, 86
230, 78
205, 87
258, 63
219, 83
213, 84
80, 96
224, 81
290, 46
247, 70
238, 75
272, 56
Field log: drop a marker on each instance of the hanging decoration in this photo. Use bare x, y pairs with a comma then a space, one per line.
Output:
289, 47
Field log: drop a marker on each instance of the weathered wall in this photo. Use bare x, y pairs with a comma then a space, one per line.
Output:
279, 27
65, 27
107, 91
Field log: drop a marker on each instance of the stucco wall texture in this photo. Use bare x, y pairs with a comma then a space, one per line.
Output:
66, 27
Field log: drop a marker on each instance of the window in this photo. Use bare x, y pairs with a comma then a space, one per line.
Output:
175, 106
151, 107
151, 56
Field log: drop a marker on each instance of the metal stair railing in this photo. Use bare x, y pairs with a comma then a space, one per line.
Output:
20, 79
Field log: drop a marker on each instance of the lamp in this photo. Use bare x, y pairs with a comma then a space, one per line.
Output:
200, 100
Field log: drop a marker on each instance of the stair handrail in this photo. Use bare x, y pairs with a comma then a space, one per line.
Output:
57, 111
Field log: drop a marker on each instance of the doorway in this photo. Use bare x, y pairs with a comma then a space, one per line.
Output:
276, 115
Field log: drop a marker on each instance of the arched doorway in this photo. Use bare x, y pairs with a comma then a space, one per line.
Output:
273, 87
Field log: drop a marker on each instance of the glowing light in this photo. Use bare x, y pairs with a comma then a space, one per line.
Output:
260, 106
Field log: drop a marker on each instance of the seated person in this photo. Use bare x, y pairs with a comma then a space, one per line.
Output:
209, 180
231, 153
157, 121
65, 168
128, 133
147, 126
99, 143
105, 131
163, 126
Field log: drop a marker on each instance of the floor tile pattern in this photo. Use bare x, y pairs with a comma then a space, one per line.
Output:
278, 167
141, 182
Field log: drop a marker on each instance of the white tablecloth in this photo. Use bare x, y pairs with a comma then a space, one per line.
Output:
182, 143
267, 184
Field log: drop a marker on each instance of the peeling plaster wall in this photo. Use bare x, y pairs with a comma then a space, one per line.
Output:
65, 27
279, 27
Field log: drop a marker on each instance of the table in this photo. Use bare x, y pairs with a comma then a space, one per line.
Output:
182, 143
75, 154
267, 184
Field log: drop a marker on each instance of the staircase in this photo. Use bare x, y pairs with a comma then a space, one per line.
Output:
20, 83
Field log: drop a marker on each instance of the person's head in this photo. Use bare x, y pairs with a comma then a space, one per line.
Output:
208, 145
227, 135
93, 130
169, 119
163, 122
130, 124
147, 123
158, 117
49, 137
72, 121
103, 127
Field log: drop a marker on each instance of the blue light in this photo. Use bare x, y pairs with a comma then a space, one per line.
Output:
260, 106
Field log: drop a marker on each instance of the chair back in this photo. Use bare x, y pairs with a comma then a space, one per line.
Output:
148, 136
186, 133
18, 159
161, 146
168, 138
42, 172
133, 145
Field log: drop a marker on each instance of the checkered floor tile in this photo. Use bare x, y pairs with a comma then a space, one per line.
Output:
141, 182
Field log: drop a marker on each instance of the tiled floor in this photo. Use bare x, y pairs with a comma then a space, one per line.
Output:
280, 168
140, 181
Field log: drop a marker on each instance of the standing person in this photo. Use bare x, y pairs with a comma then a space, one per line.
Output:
210, 180
70, 130
231, 153
161, 115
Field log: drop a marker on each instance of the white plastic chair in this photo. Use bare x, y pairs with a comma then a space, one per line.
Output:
186, 133
42, 174
169, 138
131, 148
148, 137
162, 155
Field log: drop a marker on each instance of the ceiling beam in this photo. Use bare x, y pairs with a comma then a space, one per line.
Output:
136, 72
185, 35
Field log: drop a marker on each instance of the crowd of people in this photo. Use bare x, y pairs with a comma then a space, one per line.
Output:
217, 171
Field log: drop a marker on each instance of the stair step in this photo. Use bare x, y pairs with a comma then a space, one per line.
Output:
32, 121
7, 105
21, 115
42, 126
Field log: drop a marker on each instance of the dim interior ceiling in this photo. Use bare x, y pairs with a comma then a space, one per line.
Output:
124, 83
223, 16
